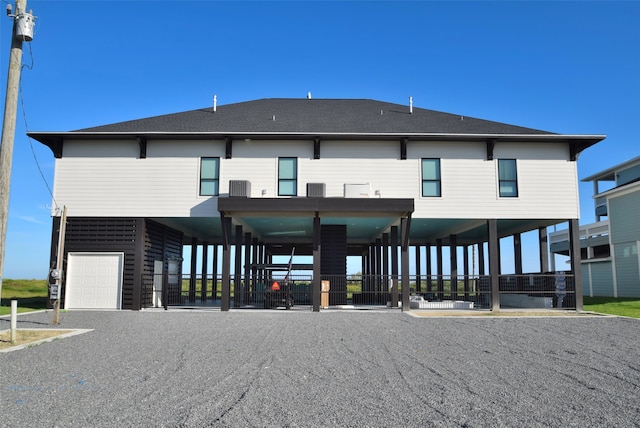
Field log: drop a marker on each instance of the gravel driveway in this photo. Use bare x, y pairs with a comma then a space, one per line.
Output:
296, 368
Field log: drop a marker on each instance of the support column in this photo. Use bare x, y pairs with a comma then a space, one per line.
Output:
481, 260
465, 262
237, 270
246, 284
405, 224
254, 267
440, 278
494, 263
193, 275
543, 239
214, 273
225, 303
205, 273
517, 252
378, 265
317, 278
429, 270
418, 268
385, 262
576, 262
453, 258
394, 266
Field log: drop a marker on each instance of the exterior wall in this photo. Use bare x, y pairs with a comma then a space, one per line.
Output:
625, 235
108, 179
141, 241
598, 278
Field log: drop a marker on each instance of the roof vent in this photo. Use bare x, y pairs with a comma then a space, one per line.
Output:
215, 103
309, 95
411, 105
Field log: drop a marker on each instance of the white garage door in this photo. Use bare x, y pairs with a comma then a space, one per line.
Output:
94, 281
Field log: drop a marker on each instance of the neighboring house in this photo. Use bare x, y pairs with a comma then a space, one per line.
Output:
610, 256
329, 177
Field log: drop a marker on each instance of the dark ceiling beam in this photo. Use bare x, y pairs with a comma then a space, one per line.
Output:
316, 148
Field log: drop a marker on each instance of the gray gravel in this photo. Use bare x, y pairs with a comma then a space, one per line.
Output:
297, 368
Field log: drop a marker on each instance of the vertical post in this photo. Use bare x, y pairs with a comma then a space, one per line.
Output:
418, 269
494, 264
59, 264
225, 302
543, 238
8, 131
193, 276
317, 274
205, 273
237, 270
440, 278
453, 257
517, 252
576, 262
14, 322
405, 223
394, 266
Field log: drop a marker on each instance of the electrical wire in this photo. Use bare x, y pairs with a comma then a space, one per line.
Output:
26, 126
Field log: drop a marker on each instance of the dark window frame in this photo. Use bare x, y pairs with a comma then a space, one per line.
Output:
437, 180
506, 179
289, 181
210, 180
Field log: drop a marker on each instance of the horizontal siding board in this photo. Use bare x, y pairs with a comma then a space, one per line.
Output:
166, 182
623, 217
627, 269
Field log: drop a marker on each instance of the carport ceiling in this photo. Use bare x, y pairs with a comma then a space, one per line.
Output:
360, 230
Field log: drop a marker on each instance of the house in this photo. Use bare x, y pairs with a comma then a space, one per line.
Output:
610, 260
327, 178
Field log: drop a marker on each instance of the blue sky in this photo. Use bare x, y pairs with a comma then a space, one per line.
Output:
567, 67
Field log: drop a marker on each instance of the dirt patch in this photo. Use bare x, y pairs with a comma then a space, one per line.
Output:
25, 337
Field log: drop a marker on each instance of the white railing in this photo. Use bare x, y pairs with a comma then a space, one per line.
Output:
600, 228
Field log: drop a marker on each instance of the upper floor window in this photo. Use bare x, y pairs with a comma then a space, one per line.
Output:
431, 177
209, 176
507, 178
287, 176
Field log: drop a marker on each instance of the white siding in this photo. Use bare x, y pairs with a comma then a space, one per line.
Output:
107, 178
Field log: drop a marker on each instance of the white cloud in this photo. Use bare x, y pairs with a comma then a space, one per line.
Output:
30, 219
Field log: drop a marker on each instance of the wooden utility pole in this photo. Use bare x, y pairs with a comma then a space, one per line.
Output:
18, 35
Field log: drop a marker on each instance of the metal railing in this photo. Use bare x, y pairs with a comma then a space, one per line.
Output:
543, 291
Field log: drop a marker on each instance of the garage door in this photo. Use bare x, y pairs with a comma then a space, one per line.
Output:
94, 280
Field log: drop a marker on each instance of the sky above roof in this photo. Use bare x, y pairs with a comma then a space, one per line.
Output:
564, 67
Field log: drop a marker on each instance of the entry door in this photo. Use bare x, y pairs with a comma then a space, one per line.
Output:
94, 281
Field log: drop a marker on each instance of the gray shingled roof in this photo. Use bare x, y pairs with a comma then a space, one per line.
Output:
322, 116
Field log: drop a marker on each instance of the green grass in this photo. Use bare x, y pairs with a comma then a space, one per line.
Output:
31, 295
627, 307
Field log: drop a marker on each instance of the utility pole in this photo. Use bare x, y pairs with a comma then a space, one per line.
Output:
22, 31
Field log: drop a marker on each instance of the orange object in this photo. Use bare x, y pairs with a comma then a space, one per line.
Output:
275, 286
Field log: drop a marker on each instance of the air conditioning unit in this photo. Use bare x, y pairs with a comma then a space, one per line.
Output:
240, 188
316, 190
357, 190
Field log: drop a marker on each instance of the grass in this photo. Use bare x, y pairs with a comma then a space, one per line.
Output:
627, 307
31, 295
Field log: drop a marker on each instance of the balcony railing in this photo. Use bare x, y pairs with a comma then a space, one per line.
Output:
592, 230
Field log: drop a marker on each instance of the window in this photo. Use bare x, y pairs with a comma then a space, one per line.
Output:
209, 176
287, 176
507, 178
431, 177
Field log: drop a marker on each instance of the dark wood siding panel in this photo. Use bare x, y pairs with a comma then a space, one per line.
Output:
160, 243
92, 234
333, 261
